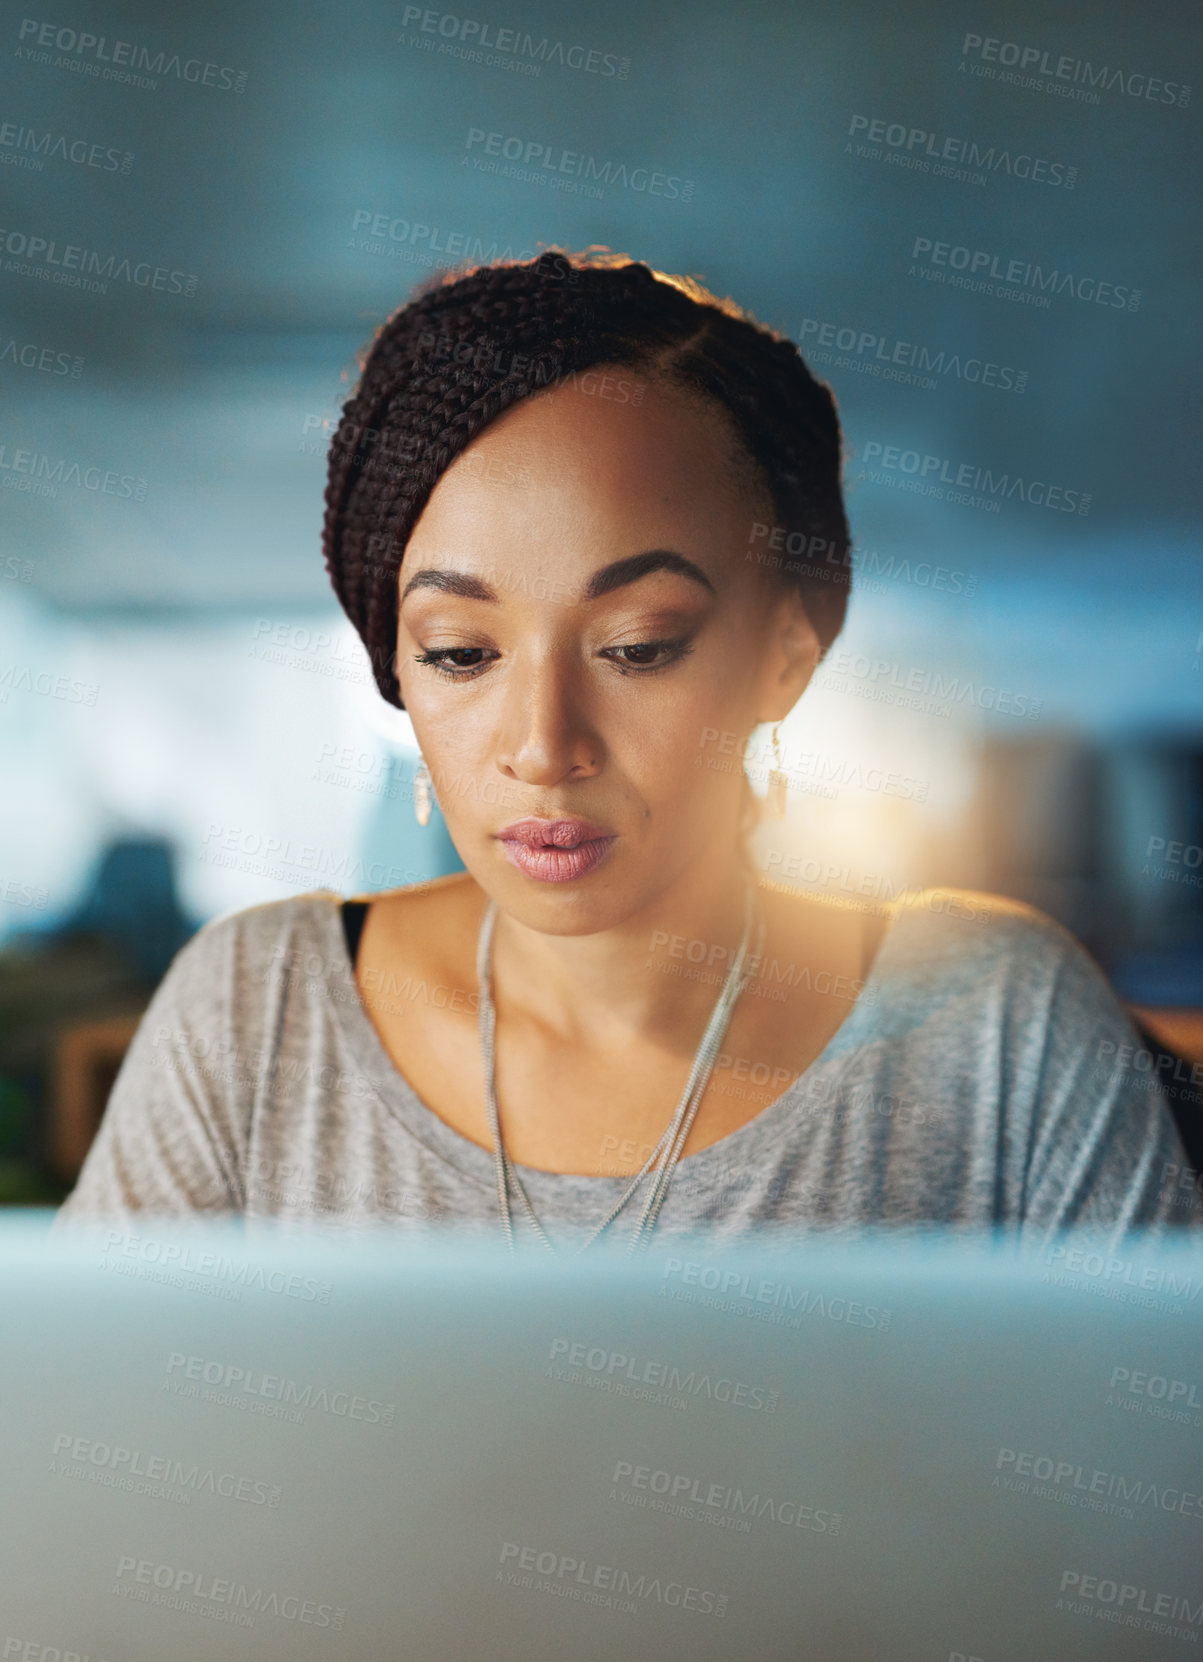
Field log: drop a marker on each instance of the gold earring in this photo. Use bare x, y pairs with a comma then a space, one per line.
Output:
778, 788
423, 792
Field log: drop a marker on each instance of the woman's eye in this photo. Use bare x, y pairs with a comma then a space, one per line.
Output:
464, 663
671, 650
457, 670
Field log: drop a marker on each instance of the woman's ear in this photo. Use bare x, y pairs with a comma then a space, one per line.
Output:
793, 656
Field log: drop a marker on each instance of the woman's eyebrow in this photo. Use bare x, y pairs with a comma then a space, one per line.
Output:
605, 580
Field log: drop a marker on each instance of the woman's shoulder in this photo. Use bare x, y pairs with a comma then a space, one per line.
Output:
304, 932
959, 949
229, 971
268, 920
941, 932
259, 931
969, 928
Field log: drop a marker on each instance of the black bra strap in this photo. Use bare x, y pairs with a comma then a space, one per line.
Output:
354, 914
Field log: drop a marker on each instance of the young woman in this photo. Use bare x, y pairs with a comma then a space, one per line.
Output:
541, 507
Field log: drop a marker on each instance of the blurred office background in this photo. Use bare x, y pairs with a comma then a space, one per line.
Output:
187, 724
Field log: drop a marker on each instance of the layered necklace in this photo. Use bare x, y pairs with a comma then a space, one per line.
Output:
662, 1161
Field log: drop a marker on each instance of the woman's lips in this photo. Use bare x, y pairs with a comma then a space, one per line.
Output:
565, 832
557, 865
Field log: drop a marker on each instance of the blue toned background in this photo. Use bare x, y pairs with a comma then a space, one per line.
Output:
187, 724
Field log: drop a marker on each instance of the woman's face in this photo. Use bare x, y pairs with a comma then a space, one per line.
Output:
625, 704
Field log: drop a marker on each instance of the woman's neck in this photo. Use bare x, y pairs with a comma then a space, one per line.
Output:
650, 976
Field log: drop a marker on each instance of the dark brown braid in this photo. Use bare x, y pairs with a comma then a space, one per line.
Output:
468, 346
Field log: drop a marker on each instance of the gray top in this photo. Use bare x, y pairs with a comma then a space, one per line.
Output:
987, 1075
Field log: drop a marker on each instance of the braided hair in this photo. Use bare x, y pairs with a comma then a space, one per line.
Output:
470, 345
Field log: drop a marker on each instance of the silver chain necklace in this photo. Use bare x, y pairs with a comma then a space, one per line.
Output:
668, 1150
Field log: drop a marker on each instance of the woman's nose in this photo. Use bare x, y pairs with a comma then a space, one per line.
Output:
546, 735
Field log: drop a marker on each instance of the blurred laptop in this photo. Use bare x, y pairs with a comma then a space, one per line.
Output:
218, 1445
